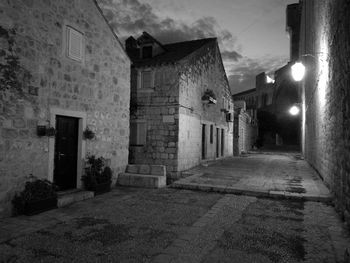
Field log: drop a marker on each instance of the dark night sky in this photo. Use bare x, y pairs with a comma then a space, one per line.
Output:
251, 33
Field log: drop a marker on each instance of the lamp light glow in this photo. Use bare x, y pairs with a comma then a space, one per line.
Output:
269, 79
298, 71
294, 110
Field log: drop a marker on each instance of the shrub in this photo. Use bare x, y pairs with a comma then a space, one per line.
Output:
96, 172
38, 189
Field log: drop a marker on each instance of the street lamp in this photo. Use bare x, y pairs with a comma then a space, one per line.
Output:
298, 71
294, 110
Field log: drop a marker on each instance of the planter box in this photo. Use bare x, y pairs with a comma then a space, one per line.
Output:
101, 188
36, 207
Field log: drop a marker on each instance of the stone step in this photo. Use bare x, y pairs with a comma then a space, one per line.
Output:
68, 197
141, 180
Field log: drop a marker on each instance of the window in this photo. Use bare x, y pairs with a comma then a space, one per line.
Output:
146, 79
75, 47
147, 52
211, 133
138, 133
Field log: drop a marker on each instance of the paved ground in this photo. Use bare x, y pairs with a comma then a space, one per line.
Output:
176, 225
276, 175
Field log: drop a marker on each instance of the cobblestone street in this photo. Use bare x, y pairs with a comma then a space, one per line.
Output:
177, 225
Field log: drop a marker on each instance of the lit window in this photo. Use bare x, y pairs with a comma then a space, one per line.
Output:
75, 46
146, 79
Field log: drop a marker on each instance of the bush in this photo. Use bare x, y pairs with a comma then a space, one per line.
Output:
38, 189
96, 172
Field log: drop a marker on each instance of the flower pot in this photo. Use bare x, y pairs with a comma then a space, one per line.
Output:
38, 206
102, 188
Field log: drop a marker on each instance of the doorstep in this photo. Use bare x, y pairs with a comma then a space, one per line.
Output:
71, 196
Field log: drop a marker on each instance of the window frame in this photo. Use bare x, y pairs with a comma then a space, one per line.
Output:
69, 31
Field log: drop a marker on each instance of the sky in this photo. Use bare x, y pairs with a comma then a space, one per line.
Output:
251, 33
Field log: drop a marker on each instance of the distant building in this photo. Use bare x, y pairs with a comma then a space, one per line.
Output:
245, 129
70, 73
251, 101
181, 105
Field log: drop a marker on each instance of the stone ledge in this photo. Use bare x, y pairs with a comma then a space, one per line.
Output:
65, 199
158, 170
141, 180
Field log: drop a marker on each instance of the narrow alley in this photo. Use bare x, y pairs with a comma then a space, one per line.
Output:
179, 225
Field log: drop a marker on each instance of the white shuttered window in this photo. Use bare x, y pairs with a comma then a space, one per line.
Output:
75, 41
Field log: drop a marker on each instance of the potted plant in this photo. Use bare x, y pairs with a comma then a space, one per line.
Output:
39, 195
209, 97
88, 134
98, 176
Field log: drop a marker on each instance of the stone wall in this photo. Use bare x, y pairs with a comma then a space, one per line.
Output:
174, 112
326, 94
97, 87
245, 133
201, 71
158, 108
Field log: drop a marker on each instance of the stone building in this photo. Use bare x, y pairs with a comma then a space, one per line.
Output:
245, 129
325, 52
181, 105
62, 70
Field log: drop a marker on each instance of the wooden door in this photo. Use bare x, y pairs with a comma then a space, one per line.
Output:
66, 152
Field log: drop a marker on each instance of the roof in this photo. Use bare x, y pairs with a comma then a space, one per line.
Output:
246, 92
174, 52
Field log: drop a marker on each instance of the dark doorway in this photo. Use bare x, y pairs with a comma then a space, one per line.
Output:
66, 152
203, 141
217, 142
222, 142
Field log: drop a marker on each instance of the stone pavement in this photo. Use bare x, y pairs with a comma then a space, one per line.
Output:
266, 175
174, 225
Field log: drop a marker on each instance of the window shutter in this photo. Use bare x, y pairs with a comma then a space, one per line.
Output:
75, 44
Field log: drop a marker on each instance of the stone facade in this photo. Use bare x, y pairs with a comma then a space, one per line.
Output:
180, 128
245, 129
325, 37
93, 88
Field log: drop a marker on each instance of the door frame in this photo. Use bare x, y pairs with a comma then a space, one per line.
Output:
81, 116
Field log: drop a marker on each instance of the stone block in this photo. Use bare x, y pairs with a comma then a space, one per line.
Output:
67, 199
158, 170
168, 119
141, 180
144, 169
132, 168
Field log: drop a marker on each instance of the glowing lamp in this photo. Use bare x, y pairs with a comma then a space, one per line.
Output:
269, 80
294, 110
298, 71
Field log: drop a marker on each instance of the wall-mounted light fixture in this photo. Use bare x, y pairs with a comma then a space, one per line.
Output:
298, 71
294, 110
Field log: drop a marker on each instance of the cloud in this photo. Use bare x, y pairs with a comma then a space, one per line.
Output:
242, 74
131, 17
230, 55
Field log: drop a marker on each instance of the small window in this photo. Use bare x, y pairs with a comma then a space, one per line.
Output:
137, 133
211, 133
147, 52
146, 79
75, 41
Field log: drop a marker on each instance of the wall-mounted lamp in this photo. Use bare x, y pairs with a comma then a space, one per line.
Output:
294, 110
298, 71
269, 79
298, 68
